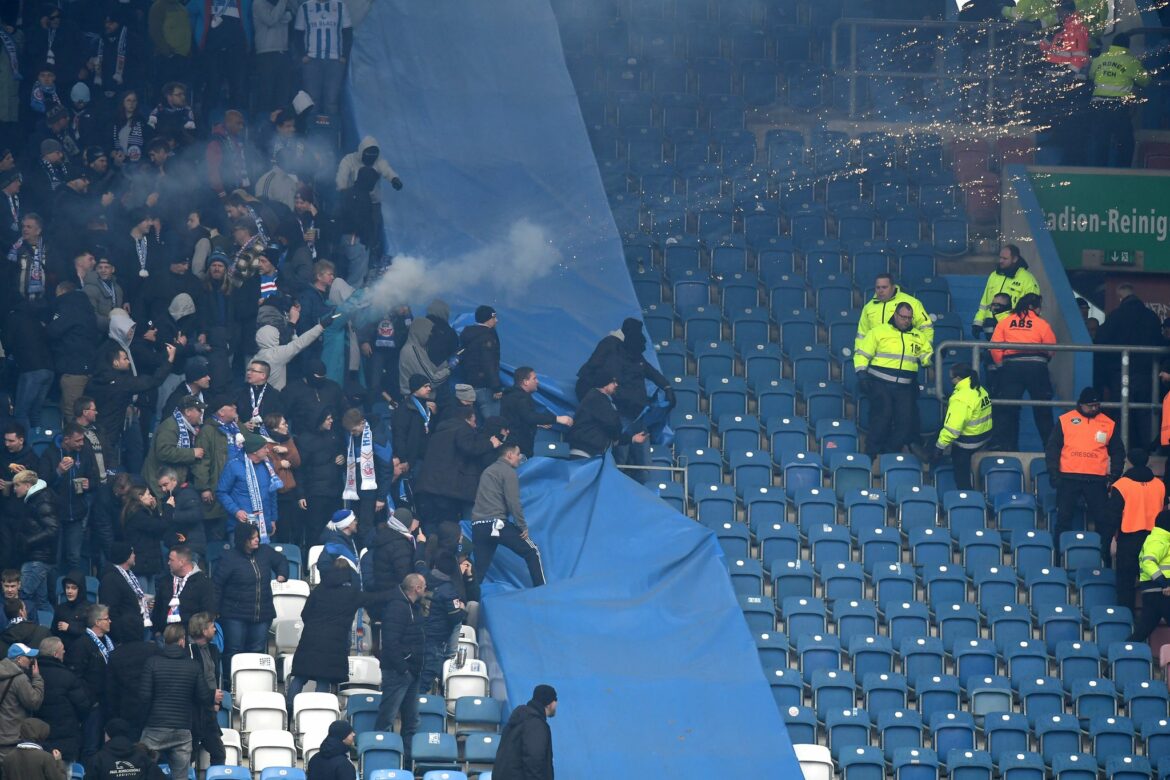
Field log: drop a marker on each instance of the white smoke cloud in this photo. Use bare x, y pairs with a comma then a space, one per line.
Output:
506, 267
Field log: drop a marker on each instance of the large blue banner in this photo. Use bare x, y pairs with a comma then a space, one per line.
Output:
472, 105
639, 631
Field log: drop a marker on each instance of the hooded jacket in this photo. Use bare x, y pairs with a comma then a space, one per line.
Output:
395, 556
414, 358
71, 612
25, 694
481, 356
331, 762
30, 760
1016, 281
525, 745
74, 333
121, 759
101, 300
319, 474
620, 355
323, 652
454, 461
277, 355
444, 341
347, 169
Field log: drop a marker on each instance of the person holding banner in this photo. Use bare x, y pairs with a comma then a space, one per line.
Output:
243, 580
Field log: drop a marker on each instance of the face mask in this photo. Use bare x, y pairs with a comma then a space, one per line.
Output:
370, 156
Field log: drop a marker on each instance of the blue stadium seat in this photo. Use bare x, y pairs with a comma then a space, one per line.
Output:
865, 509
1093, 698
815, 507
989, 694
1155, 734
1058, 623
818, 651
701, 325
922, 656
747, 576
899, 730
787, 687
1080, 550
692, 431
1015, 512
704, 467
899, 470
963, 510
1031, 550
905, 620
765, 506
1146, 701
975, 657
776, 400
1098, 587
734, 539
1046, 586
825, 403
1110, 624
778, 540
855, 617
801, 723
672, 356
1074, 766
930, 546
969, 765
915, 764
1009, 624
951, 731
847, 729
1041, 697
981, 549
842, 328
379, 750
749, 328
672, 494
1001, 474
1077, 661
842, 580
944, 585
994, 587
832, 690
1129, 662
792, 579
950, 236
893, 583
738, 432
883, 691
751, 470
361, 710
1111, 735
764, 363
1006, 733
873, 654
803, 616
798, 329
1128, 767
726, 395
849, 471
937, 693
862, 762
802, 470
878, 546
917, 504
714, 359
1057, 733
686, 393
759, 612
810, 363
772, 647
828, 544
1022, 765
786, 294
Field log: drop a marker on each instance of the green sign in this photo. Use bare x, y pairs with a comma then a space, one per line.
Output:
1107, 219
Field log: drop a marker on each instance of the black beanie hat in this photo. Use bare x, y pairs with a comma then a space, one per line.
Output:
120, 552
484, 313
544, 695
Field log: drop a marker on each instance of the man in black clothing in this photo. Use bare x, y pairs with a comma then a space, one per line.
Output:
197, 380
258, 399
121, 758
526, 742
598, 426
122, 593
523, 414
125, 672
1130, 322
411, 424
304, 397
481, 361
69, 468
74, 336
171, 683
444, 341
112, 388
403, 653
66, 702
186, 592
89, 657
206, 732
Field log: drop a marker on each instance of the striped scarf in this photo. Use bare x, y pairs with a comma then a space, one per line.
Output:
185, 430
257, 514
119, 66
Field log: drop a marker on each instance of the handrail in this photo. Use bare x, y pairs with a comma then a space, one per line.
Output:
1125, 404
673, 470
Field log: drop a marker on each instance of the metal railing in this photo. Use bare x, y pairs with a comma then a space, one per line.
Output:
1000, 41
1125, 404
674, 470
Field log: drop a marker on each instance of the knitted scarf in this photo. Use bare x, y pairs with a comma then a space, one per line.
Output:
177, 586
104, 644
424, 411
367, 466
235, 439
132, 581
257, 500
186, 432
119, 66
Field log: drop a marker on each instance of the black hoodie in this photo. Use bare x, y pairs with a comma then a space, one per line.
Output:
481, 356
121, 759
330, 763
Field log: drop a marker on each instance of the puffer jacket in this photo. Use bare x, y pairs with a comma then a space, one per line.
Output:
65, 706
277, 355
403, 636
324, 647
24, 697
171, 682
395, 556
244, 583
42, 525
319, 474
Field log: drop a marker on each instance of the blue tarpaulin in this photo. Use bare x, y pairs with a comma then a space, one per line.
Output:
639, 631
473, 106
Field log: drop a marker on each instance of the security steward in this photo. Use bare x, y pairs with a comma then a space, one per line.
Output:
1022, 370
1011, 277
967, 426
1155, 579
1084, 455
887, 361
886, 297
1134, 503
1115, 74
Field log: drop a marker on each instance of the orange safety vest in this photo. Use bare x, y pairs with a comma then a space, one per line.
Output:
1166, 420
1086, 443
1026, 328
1143, 502
1069, 45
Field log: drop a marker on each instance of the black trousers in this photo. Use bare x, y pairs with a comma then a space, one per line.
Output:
961, 461
484, 546
1014, 379
1071, 491
206, 734
1129, 547
1155, 609
893, 416
439, 517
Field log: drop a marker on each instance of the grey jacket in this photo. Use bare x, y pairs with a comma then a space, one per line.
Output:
21, 697
499, 495
101, 302
270, 23
413, 358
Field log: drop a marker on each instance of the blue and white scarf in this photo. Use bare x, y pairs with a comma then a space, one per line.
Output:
366, 456
185, 430
13, 56
235, 439
274, 484
132, 581
424, 411
104, 645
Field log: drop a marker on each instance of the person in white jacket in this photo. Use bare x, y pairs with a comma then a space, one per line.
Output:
368, 154
277, 355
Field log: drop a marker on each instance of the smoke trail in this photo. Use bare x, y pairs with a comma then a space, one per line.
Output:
506, 267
